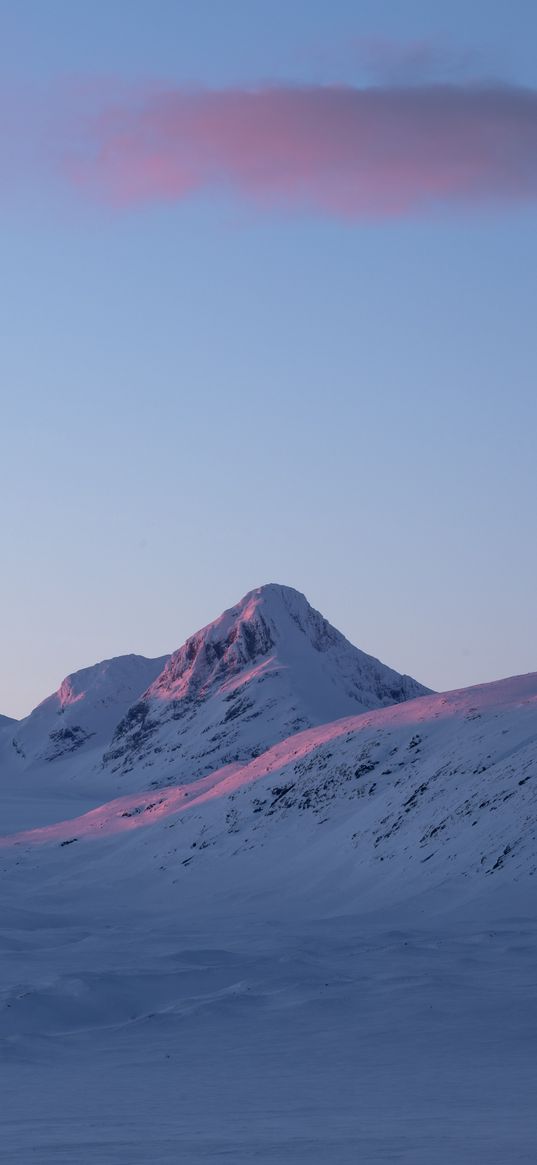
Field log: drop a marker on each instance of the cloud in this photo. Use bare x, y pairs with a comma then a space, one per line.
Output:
342, 150
345, 151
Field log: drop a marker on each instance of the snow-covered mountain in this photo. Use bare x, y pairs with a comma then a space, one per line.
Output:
83, 713
270, 715
413, 793
7, 722
321, 952
269, 666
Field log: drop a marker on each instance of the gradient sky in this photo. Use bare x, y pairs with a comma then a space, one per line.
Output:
269, 283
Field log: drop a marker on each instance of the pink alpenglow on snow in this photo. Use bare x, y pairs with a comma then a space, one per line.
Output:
144, 809
343, 150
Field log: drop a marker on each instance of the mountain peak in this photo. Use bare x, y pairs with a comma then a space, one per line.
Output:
262, 624
273, 594
268, 666
276, 604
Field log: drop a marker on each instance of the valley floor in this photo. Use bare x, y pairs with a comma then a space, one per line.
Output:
343, 1041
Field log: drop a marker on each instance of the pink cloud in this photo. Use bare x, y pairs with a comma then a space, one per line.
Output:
340, 150
379, 150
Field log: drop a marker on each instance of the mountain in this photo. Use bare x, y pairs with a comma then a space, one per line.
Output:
6, 722
269, 666
325, 952
82, 714
448, 779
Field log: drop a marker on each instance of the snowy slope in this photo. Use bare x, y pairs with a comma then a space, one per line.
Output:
442, 785
267, 667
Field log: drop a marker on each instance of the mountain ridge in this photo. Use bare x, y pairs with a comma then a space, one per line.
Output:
266, 667
447, 779
271, 658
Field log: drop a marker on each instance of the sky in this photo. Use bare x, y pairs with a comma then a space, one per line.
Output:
269, 275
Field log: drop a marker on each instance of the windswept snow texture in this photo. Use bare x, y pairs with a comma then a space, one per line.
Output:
323, 954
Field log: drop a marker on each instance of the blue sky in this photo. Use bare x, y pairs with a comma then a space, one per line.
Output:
202, 394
